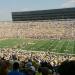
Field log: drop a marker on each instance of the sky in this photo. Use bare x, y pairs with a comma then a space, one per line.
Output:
8, 6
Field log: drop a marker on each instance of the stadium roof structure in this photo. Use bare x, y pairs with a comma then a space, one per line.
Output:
64, 13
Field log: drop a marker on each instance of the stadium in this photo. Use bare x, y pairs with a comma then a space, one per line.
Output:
40, 31
53, 14
37, 40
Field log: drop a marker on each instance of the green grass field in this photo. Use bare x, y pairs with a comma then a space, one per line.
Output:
59, 46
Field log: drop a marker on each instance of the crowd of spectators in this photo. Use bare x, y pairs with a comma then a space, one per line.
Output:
19, 62
38, 29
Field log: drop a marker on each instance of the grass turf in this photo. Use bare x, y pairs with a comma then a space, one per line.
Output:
59, 46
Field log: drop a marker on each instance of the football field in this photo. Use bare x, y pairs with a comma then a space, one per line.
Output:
58, 46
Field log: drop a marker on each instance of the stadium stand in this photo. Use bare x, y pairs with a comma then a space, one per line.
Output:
19, 62
54, 14
15, 61
38, 29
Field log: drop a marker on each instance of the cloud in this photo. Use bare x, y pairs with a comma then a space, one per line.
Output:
68, 3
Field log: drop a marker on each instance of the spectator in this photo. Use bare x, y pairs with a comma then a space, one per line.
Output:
15, 70
67, 68
4, 65
31, 68
44, 69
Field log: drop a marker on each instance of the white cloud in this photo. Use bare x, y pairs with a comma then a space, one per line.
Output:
69, 3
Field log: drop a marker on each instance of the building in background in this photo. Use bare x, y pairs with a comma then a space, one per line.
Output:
53, 14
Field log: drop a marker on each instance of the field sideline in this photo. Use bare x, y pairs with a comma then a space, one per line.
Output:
58, 46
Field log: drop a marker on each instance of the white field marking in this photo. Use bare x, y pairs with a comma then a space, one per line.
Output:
73, 46
47, 44
62, 45
31, 43
59, 42
66, 50
54, 49
52, 44
67, 46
